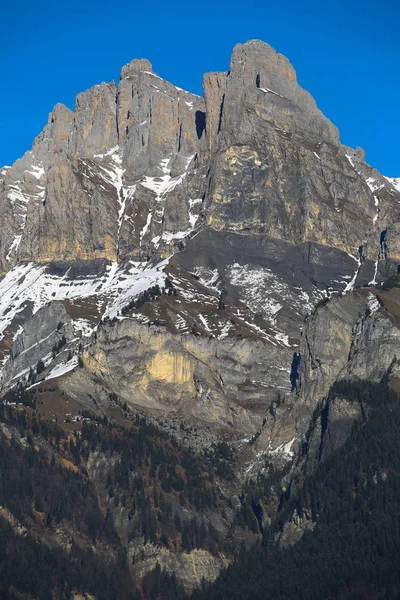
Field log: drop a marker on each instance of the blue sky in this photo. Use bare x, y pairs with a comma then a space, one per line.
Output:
346, 53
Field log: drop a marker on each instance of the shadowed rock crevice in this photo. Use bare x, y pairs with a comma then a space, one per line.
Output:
200, 123
221, 113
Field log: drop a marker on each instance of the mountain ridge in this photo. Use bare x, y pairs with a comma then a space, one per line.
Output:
96, 139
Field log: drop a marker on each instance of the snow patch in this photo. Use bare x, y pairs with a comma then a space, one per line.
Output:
146, 226
268, 91
395, 182
225, 329
19, 200
204, 322
62, 368
84, 326
373, 303
373, 281
180, 323
37, 172
263, 291
210, 278
349, 287
285, 450
374, 184
152, 74
376, 200
29, 284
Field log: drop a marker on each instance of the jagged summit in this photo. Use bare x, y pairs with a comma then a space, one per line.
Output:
135, 66
139, 156
259, 53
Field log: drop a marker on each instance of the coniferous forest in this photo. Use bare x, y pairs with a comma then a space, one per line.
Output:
353, 499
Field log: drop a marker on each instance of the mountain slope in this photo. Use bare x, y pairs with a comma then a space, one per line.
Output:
213, 265
352, 549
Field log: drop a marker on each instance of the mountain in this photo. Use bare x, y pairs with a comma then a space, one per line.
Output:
184, 282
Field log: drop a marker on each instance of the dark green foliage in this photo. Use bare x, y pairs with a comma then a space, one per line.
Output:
146, 296
40, 367
31, 567
28, 478
177, 468
20, 396
62, 342
165, 488
58, 346
160, 585
149, 459
354, 550
222, 456
323, 302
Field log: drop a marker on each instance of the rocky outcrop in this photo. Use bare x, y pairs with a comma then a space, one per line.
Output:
279, 168
229, 382
191, 568
267, 209
352, 337
272, 215
44, 337
107, 169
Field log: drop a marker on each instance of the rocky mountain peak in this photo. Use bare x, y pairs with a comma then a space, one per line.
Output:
146, 164
258, 58
55, 135
136, 66
262, 80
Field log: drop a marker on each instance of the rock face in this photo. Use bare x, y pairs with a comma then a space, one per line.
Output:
126, 168
106, 169
181, 250
351, 337
279, 167
223, 382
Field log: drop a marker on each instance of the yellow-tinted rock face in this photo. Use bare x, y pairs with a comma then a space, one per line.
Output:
190, 568
199, 377
171, 367
62, 249
96, 362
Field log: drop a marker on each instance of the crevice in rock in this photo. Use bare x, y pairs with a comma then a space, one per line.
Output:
383, 244
116, 115
324, 426
200, 122
221, 111
180, 137
258, 513
294, 370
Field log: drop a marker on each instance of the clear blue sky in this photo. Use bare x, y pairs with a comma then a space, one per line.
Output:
346, 53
